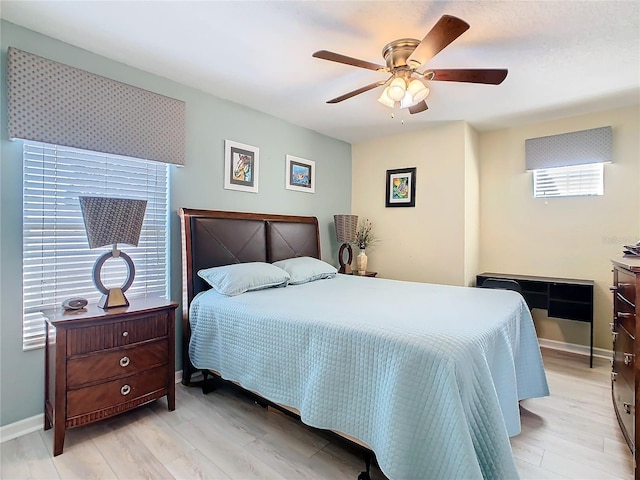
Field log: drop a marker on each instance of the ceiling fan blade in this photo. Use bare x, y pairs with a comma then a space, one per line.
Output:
418, 107
491, 76
356, 92
445, 31
336, 57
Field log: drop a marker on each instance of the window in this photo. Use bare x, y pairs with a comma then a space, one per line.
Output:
569, 164
57, 260
573, 180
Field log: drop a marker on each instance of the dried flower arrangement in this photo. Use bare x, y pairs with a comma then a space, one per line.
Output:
364, 235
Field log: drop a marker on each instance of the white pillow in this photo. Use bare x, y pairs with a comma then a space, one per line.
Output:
306, 269
244, 277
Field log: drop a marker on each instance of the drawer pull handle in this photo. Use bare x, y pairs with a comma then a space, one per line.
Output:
125, 334
625, 300
613, 376
624, 315
613, 288
124, 362
125, 390
614, 335
628, 358
627, 407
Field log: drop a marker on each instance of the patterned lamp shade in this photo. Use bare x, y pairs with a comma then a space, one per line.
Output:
109, 221
345, 227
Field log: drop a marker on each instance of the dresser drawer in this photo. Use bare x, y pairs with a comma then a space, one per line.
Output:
624, 315
99, 366
624, 403
626, 287
623, 357
110, 335
98, 397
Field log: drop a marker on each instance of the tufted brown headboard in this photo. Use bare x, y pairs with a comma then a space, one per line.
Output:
212, 238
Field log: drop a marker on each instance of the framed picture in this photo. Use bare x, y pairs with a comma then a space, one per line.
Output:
401, 188
300, 175
241, 166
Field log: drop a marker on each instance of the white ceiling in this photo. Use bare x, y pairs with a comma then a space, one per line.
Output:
564, 57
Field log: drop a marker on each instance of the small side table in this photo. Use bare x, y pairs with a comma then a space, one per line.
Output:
99, 363
365, 274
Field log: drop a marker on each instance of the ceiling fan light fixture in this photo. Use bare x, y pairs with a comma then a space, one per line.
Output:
417, 90
385, 100
407, 100
396, 89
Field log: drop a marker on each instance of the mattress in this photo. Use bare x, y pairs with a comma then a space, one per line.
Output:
429, 376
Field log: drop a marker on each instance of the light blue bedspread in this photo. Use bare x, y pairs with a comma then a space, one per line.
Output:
428, 376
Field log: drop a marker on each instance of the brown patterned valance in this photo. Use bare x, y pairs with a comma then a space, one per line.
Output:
54, 103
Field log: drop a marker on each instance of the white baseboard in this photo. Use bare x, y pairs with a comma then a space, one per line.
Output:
22, 427
35, 423
575, 348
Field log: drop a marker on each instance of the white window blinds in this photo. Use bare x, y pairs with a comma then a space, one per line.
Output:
569, 181
57, 260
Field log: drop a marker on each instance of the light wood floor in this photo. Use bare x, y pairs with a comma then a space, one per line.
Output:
571, 434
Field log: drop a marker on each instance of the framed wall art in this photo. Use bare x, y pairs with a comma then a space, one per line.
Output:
300, 174
401, 188
241, 166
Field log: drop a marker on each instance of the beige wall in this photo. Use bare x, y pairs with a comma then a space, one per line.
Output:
566, 237
471, 205
475, 211
425, 243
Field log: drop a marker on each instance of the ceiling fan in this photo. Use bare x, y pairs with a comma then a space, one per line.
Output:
403, 59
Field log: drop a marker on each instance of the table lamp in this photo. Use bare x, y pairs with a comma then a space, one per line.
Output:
345, 234
109, 221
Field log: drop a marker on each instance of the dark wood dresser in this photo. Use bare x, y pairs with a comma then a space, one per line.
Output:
99, 363
626, 368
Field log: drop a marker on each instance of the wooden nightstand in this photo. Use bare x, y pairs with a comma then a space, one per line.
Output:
365, 274
99, 363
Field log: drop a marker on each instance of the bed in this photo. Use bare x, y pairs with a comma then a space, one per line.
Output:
428, 377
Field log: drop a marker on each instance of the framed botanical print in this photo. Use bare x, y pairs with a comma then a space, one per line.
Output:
241, 166
300, 174
401, 188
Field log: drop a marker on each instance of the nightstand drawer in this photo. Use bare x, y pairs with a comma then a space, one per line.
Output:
111, 335
119, 391
99, 366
